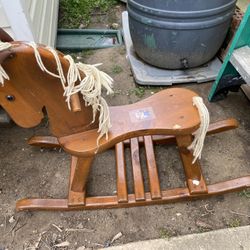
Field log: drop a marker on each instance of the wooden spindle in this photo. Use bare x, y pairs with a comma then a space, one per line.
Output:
122, 192
154, 181
137, 172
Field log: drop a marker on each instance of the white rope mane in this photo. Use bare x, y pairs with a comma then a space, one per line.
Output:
90, 86
3, 74
200, 135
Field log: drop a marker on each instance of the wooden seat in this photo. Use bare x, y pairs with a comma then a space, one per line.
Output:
169, 112
166, 117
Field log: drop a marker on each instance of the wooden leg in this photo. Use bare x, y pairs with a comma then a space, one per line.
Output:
75, 198
194, 177
81, 173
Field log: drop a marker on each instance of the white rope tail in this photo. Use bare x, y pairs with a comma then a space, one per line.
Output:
200, 135
3, 74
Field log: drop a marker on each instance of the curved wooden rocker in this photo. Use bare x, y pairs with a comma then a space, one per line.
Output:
166, 117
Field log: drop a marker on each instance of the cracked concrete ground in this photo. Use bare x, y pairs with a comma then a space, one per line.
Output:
229, 238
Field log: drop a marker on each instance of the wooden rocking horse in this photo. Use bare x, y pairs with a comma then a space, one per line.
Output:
166, 117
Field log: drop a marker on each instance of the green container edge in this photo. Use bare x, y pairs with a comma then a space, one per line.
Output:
90, 31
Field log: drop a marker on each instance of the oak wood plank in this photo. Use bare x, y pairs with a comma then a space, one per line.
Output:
152, 169
122, 192
137, 172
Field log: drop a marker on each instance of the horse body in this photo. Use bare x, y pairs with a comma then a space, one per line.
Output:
166, 117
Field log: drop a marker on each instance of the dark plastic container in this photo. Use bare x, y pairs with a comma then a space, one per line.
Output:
177, 34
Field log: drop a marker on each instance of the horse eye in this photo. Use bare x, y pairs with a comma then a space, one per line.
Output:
10, 98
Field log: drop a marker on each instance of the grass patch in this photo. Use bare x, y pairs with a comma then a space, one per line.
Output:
138, 91
234, 223
164, 233
73, 13
122, 51
245, 193
81, 56
87, 53
117, 69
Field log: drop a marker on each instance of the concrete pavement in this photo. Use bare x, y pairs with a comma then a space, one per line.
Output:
225, 239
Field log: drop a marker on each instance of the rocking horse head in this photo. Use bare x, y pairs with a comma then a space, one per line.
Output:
40, 79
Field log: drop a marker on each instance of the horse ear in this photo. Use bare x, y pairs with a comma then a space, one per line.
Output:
4, 36
4, 55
